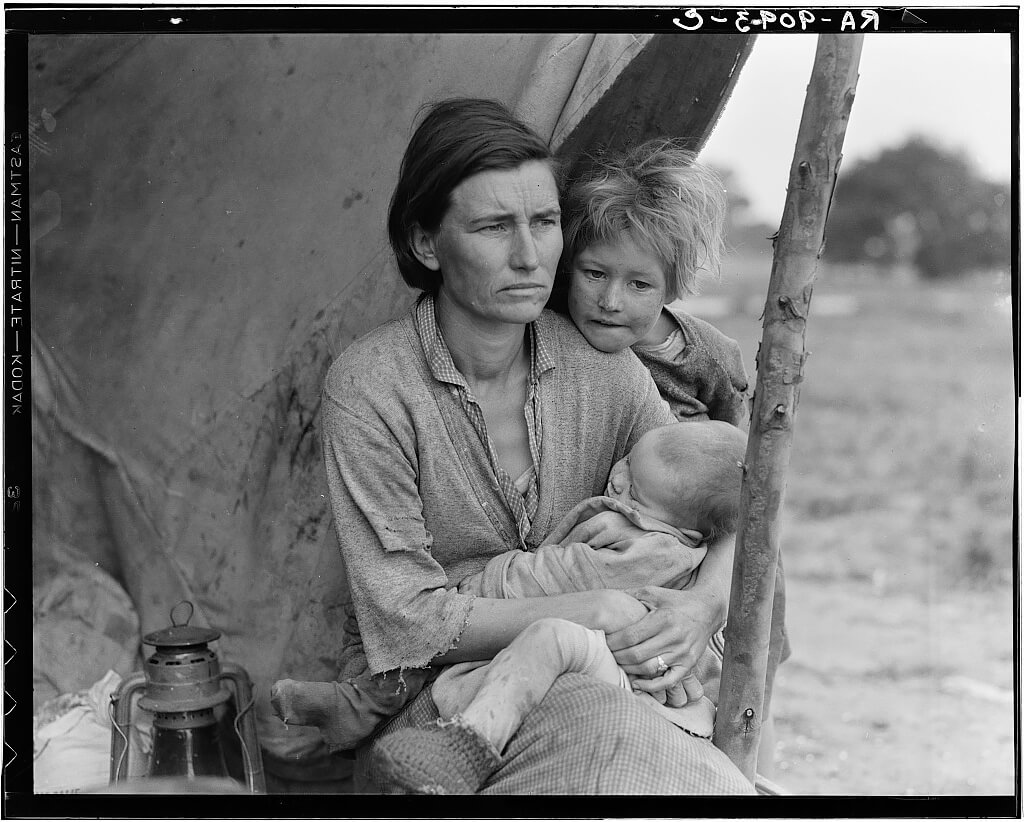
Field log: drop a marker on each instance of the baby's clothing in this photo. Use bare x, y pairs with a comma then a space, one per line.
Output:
699, 371
658, 554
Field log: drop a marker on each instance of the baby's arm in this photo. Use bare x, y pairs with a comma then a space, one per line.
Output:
646, 558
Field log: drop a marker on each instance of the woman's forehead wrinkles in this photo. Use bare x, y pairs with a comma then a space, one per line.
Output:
506, 193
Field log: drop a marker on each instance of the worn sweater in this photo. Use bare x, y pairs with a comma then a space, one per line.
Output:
416, 504
706, 380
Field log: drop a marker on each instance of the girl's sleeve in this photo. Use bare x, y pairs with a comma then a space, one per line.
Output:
730, 400
405, 613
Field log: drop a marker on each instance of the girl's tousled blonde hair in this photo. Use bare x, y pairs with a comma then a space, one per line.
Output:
660, 196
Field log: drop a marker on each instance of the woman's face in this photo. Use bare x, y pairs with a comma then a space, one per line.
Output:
498, 245
616, 292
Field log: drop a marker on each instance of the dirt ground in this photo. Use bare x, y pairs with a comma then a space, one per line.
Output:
897, 534
865, 707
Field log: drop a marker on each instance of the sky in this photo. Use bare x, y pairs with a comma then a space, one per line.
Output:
951, 88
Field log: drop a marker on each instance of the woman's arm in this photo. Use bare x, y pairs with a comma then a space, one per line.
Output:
680, 623
494, 623
405, 614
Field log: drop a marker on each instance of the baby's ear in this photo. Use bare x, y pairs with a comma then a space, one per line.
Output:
424, 246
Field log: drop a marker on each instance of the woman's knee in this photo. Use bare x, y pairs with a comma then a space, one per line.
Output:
606, 741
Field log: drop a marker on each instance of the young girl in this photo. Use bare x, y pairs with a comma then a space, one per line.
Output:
638, 229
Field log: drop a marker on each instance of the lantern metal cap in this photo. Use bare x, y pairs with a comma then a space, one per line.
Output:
181, 633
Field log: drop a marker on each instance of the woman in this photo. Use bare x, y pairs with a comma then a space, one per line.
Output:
471, 426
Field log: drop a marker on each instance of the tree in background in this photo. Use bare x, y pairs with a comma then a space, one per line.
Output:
742, 233
922, 206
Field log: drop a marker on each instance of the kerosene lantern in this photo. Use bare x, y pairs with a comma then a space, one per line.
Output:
183, 684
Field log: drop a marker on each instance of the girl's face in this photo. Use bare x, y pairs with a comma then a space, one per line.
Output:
616, 293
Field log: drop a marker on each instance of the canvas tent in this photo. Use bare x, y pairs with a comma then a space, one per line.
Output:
208, 234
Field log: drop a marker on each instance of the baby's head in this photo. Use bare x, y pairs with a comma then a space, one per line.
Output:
638, 228
686, 474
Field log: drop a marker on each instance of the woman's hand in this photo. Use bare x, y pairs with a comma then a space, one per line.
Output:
674, 633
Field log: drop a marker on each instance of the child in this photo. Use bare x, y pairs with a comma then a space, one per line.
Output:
680, 485
638, 229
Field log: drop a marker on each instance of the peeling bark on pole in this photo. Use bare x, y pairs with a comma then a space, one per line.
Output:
780, 365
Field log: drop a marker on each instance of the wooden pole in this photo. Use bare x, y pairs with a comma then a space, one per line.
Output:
780, 365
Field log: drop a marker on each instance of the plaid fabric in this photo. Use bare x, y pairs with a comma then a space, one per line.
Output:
717, 644
439, 358
588, 738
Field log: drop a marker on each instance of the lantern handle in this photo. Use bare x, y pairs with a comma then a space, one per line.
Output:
119, 751
191, 612
241, 734
245, 726
120, 712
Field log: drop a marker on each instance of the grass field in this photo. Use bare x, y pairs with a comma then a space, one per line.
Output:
897, 532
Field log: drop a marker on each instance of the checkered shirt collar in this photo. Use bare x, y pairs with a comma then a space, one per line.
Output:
439, 358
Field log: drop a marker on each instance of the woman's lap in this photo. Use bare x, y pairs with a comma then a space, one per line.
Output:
591, 738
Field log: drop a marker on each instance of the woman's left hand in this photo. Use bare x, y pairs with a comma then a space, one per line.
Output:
673, 633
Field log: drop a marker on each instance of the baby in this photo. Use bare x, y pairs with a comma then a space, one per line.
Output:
678, 488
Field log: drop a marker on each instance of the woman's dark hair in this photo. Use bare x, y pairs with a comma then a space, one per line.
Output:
458, 138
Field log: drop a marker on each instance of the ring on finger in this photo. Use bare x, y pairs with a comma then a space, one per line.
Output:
662, 665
